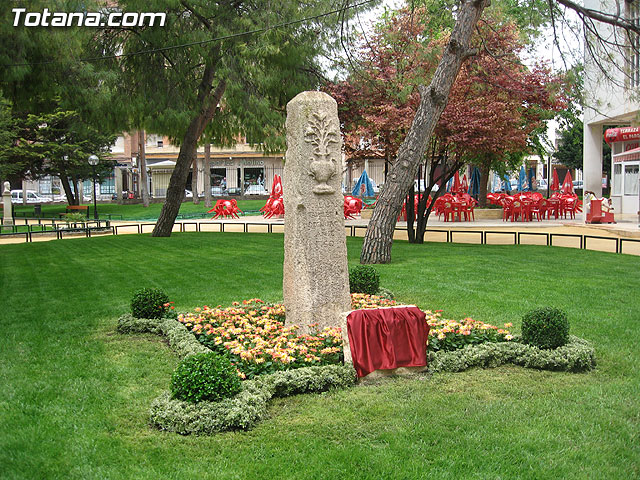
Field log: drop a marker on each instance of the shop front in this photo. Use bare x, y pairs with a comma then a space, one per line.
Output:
625, 166
231, 175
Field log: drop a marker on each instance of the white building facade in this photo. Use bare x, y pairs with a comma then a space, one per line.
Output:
612, 85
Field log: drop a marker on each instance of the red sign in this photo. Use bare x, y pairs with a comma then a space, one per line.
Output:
621, 134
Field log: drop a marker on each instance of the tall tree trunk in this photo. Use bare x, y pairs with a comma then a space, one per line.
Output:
66, 186
142, 164
194, 179
175, 191
78, 188
24, 191
484, 181
433, 99
207, 175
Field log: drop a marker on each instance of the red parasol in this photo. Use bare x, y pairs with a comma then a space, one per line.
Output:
276, 188
555, 183
275, 204
567, 185
465, 184
456, 188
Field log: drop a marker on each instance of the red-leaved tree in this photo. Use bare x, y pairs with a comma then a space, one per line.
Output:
494, 106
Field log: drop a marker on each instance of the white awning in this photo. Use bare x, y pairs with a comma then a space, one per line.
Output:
163, 164
627, 156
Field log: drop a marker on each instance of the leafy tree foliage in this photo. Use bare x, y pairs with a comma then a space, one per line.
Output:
60, 144
494, 106
201, 79
569, 152
50, 103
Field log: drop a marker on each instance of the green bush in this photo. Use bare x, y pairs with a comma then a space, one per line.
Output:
545, 328
205, 376
576, 356
75, 217
149, 303
364, 279
385, 293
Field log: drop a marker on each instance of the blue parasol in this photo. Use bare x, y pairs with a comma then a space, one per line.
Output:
363, 186
530, 176
495, 187
474, 184
507, 184
522, 180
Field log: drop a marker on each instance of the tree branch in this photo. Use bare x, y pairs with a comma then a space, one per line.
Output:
612, 19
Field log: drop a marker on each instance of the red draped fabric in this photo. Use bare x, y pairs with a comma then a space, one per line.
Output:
387, 338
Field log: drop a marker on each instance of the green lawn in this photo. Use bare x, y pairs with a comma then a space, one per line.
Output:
136, 211
75, 394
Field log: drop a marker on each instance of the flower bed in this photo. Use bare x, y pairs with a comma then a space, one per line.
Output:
448, 335
252, 331
254, 336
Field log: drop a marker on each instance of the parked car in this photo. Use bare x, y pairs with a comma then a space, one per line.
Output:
255, 190
32, 197
577, 184
188, 194
542, 184
218, 191
234, 191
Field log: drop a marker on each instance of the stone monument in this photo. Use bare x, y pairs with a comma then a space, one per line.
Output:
316, 275
7, 218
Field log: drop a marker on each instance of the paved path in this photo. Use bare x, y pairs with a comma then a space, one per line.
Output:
626, 228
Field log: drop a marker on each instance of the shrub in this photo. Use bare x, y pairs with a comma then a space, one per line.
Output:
364, 279
205, 376
545, 328
149, 303
576, 356
248, 407
75, 218
385, 293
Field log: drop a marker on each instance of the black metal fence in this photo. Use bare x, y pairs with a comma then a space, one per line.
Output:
63, 229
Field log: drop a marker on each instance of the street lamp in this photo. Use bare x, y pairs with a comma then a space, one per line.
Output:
93, 161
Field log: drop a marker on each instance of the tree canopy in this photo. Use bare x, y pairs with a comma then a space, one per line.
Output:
215, 71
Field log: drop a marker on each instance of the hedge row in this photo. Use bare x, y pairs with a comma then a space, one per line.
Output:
576, 356
245, 409
180, 339
248, 407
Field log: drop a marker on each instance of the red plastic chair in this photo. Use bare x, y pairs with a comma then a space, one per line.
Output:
225, 208
352, 207
539, 209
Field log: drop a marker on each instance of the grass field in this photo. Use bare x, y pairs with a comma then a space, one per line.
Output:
136, 211
75, 394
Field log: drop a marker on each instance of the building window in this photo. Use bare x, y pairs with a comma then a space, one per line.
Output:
617, 179
631, 179
633, 14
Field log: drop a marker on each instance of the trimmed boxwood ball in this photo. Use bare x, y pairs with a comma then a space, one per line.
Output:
149, 303
205, 376
545, 328
364, 279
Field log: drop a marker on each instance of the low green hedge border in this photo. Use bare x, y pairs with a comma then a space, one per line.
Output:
576, 356
248, 407
245, 409
180, 339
